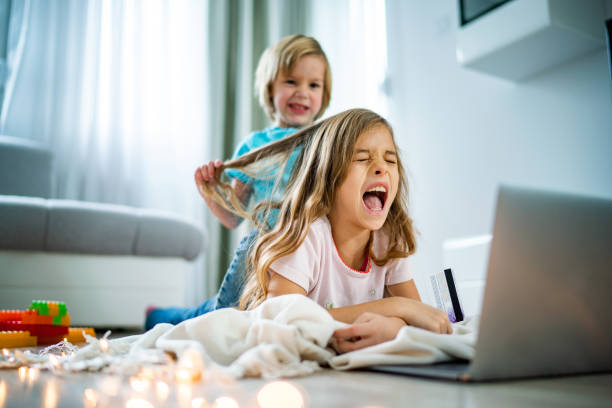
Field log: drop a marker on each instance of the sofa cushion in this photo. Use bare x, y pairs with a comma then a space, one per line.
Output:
25, 168
23, 222
80, 226
36, 224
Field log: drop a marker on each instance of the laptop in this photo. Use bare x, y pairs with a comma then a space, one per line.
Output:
547, 306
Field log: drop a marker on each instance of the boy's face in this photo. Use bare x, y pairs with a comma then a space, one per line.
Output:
297, 96
363, 199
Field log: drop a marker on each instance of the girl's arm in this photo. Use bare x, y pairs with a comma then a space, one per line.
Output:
374, 328
279, 285
205, 174
411, 311
406, 289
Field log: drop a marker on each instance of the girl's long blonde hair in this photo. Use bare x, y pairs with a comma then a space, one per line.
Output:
326, 152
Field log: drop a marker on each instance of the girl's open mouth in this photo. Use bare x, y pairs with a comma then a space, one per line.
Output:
374, 199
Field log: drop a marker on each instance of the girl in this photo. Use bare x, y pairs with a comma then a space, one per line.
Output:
293, 82
343, 234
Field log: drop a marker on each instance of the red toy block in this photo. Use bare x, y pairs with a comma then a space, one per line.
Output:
46, 340
35, 329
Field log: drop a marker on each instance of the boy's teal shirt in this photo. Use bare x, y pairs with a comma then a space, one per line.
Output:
262, 187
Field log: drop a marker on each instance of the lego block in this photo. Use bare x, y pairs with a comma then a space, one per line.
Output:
35, 329
33, 317
46, 340
75, 335
11, 339
49, 308
11, 315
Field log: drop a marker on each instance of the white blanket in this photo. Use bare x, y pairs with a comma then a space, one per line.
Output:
285, 336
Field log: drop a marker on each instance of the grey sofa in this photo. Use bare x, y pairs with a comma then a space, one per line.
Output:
107, 262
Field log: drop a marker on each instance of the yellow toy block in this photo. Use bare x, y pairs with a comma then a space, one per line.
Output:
11, 339
75, 334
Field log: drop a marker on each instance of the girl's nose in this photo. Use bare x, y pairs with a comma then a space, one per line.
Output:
380, 167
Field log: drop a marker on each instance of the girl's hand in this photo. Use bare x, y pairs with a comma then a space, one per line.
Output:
367, 330
206, 173
427, 317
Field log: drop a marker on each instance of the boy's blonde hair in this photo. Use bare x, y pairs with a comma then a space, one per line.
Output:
326, 153
281, 57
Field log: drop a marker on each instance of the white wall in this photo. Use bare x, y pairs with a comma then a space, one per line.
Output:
462, 132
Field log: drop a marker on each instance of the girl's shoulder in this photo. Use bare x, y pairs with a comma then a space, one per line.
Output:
320, 226
319, 230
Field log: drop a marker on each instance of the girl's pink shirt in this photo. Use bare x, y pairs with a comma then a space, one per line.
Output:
318, 269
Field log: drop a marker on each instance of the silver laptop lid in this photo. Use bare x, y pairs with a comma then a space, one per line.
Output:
547, 303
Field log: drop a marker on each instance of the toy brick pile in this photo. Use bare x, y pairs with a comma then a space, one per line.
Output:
45, 322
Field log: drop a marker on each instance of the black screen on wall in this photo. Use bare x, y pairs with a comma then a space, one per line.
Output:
470, 10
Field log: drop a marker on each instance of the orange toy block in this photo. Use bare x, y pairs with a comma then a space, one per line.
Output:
11, 339
75, 334
33, 317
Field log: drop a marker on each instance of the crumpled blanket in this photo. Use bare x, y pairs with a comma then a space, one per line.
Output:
285, 336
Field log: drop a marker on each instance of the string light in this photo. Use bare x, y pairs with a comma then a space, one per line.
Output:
2, 393
138, 403
22, 372
90, 398
33, 374
190, 366
199, 403
139, 384
54, 361
50, 396
162, 390
280, 394
104, 345
225, 402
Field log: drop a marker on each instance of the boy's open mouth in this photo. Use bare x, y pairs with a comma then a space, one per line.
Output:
375, 198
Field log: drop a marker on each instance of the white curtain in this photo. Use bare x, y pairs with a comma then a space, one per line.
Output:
118, 90
353, 34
